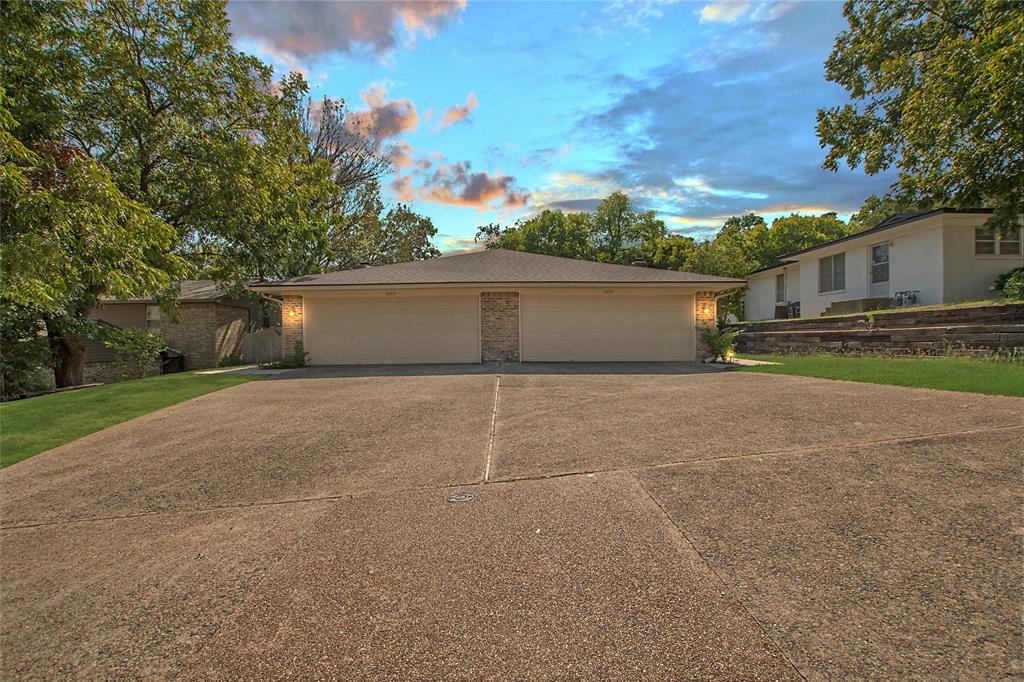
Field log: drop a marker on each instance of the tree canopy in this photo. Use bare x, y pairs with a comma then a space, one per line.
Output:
140, 146
616, 233
936, 88
613, 233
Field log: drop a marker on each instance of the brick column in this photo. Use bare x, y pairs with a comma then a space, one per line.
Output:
499, 326
291, 323
705, 315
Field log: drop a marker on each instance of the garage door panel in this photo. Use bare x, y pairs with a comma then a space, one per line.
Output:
392, 330
603, 328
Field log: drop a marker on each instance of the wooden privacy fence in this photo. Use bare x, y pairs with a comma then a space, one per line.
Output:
262, 345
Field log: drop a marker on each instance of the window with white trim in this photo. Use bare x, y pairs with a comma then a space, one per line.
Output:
780, 288
988, 243
832, 273
153, 319
880, 263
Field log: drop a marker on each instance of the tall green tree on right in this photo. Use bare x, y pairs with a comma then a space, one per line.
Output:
936, 88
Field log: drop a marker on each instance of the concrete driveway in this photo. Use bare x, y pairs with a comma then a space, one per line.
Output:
641, 521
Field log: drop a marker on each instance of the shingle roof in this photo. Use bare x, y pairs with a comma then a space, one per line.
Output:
189, 290
498, 266
780, 264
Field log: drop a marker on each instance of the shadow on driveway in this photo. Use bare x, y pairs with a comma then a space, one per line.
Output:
551, 368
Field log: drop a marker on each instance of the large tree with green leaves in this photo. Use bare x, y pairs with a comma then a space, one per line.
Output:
875, 209
68, 237
746, 243
613, 233
553, 233
145, 133
936, 88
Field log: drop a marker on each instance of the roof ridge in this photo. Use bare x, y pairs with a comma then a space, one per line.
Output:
494, 266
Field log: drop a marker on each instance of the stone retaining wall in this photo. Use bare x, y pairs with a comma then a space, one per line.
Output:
113, 372
982, 329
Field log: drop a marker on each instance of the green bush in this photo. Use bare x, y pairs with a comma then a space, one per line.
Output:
231, 360
137, 349
1011, 284
296, 359
721, 342
25, 364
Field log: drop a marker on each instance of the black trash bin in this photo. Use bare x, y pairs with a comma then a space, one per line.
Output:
171, 361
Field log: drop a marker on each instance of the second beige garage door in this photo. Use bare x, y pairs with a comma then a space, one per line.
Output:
392, 330
606, 328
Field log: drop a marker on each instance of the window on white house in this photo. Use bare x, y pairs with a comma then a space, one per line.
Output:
153, 319
879, 263
832, 273
780, 288
988, 243
1009, 243
984, 241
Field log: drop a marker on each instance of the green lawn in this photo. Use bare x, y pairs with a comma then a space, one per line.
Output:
943, 373
30, 426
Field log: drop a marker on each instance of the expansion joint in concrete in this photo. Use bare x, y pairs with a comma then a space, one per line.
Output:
490, 435
725, 586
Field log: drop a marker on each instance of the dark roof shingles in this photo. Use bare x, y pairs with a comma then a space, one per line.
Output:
188, 290
499, 266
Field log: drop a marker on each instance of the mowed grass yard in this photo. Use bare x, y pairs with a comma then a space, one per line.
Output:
974, 375
33, 425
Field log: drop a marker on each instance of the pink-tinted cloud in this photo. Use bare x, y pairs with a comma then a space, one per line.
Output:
402, 186
383, 118
459, 112
458, 185
400, 154
307, 29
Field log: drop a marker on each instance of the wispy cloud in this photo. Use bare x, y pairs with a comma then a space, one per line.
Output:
637, 13
457, 184
383, 118
731, 11
725, 11
699, 185
452, 246
735, 135
458, 113
433, 178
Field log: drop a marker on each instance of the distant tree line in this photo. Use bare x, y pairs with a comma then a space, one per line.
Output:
617, 233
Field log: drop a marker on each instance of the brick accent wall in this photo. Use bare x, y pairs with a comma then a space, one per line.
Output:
499, 326
206, 332
291, 323
705, 315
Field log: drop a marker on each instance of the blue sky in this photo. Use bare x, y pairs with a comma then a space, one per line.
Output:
496, 110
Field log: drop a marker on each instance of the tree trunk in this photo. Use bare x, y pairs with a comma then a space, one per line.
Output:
68, 359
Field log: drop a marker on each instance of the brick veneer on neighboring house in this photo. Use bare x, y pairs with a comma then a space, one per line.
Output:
206, 332
499, 326
706, 315
291, 323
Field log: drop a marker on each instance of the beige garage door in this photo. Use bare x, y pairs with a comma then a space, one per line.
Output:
386, 330
613, 328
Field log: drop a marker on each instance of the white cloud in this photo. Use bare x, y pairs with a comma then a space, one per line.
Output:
731, 11
724, 11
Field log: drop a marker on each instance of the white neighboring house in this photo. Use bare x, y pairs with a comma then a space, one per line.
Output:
940, 256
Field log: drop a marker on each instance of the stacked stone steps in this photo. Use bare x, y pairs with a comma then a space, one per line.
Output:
983, 328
